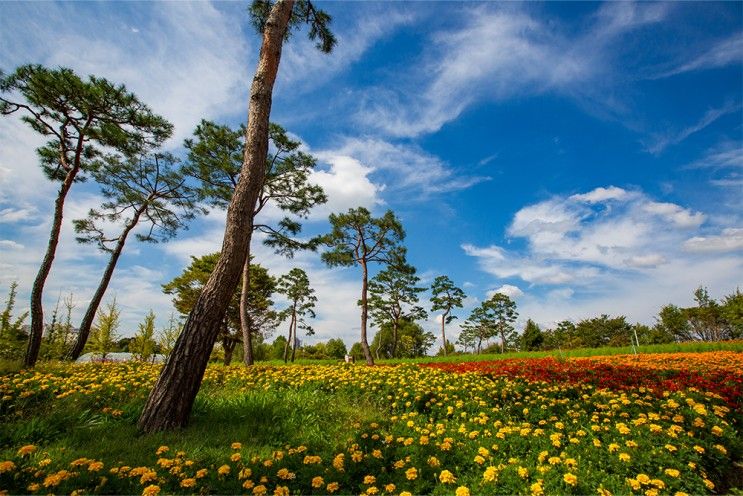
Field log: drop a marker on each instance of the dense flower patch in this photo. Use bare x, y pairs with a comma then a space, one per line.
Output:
719, 373
535, 428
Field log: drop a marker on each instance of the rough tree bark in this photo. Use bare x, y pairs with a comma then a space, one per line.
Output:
95, 302
37, 291
170, 401
245, 326
364, 290
443, 334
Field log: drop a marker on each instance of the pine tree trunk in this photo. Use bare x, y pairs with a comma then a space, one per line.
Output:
289, 338
364, 288
170, 401
294, 340
245, 326
95, 302
443, 334
394, 338
37, 291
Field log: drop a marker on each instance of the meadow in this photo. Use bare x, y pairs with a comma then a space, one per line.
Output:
658, 423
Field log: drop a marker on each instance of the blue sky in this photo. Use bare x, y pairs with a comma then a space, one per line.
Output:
584, 158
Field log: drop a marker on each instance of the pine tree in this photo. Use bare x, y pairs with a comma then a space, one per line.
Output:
445, 296
143, 344
105, 332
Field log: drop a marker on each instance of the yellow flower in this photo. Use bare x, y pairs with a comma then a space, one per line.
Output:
672, 472
570, 479
151, 490
236, 446
281, 491
407, 493
161, 450
245, 474
447, 477
224, 470
537, 489
523, 472
235, 457
285, 474
6, 466
710, 485
318, 482
433, 461
370, 479
188, 482
372, 490
148, 476
462, 491
259, 489
33, 487
248, 484
332, 487
390, 488
624, 457
338, 462
411, 473
490, 474
643, 479
26, 450
95, 466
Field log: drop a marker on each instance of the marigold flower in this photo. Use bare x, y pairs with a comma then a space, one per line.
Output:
26, 450
236, 446
281, 491
672, 472
462, 491
190, 482
536, 489
411, 473
490, 474
390, 488
332, 487
318, 482
161, 450
95, 466
570, 479
6, 466
259, 490
151, 490
447, 477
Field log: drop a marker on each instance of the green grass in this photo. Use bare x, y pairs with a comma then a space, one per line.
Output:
693, 347
262, 420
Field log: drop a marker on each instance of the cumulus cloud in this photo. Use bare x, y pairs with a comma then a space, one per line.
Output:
507, 289
592, 258
729, 240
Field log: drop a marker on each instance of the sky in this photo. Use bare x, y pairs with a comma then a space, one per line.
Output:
583, 158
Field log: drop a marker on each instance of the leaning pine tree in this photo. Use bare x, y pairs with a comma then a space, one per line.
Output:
147, 192
170, 401
81, 118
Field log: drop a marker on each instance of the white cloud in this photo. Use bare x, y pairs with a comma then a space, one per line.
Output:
629, 259
405, 166
600, 195
671, 212
662, 142
11, 215
507, 289
346, 183
730, 240
725, 52
499, 53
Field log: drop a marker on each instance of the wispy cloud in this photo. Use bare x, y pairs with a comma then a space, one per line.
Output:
725, 52
711, 116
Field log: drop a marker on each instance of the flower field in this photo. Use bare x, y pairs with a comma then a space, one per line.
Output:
652, 424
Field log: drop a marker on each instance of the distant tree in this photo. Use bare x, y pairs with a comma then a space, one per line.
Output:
10, 327
672, 321
356, 351
296, 287
478, 328
188, 286
143, 344
603, 331
215, 159
277, 347
532, 338
336, 348
559, 337
705, 320
504, 314
445, 296
359, 238
12, 335
413, 340
448, 350
82, 119
393, 296
105, 331
167, 336
59, 332
732, 312
148, 191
